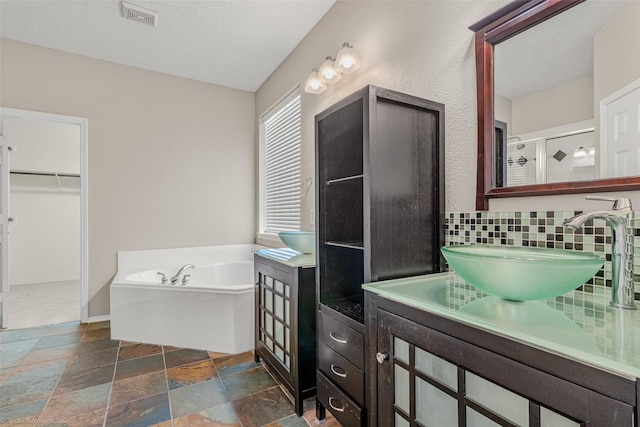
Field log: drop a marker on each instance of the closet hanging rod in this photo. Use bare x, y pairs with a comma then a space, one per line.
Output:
69, 175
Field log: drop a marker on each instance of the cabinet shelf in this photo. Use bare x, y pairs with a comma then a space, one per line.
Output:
344, 179
348, 244
352, 307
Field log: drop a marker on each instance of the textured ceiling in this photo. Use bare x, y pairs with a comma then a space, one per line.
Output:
552, 53
237, 43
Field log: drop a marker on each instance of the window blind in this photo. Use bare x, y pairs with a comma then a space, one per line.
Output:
282, 136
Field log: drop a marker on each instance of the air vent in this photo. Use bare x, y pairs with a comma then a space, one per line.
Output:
139, 14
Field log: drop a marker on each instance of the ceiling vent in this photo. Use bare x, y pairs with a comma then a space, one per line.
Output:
139, 14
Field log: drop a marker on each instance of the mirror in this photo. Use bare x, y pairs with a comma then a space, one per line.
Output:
556, 92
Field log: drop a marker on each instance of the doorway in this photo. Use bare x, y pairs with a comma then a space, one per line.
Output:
43, 219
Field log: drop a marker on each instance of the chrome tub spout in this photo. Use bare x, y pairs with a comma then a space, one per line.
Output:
180, 272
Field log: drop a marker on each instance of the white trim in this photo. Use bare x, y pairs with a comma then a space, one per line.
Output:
84, 191
96, 319
282, 98
604, 103
43, 282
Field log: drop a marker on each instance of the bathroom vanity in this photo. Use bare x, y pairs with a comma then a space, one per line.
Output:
285, 326
443, 353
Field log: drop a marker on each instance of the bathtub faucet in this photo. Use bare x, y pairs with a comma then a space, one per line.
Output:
184, 268
622, 286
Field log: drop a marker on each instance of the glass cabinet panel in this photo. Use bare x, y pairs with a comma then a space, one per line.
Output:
476, 419
401, 387
497, 399
439, 369
549, 418
435, 407
401, 350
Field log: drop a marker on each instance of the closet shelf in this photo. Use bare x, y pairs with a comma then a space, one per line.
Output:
68, 175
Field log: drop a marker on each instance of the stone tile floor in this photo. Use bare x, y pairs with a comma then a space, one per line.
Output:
73, 374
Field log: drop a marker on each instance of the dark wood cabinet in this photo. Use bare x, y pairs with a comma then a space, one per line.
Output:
379, 213
285, 325
433, 371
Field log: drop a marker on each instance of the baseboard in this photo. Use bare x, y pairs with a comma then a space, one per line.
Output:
44, 282
96, 319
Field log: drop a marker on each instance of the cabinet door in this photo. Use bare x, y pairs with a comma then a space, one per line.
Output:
427, 378
273, 318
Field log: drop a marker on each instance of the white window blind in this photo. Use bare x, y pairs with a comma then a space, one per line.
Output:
281, 130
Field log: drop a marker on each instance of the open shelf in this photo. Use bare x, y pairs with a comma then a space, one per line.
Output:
349, 244
341, 148
352, 307
345, 179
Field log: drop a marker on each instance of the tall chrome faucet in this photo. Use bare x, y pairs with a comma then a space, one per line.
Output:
622, 288
184, 268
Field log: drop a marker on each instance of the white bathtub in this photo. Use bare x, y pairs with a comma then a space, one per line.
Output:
214, 311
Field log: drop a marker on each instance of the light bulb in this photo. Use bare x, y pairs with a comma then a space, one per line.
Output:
580, 152
327, 72
347, 60
313, 84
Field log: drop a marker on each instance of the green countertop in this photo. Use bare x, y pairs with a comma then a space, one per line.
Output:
578, 325
288, 257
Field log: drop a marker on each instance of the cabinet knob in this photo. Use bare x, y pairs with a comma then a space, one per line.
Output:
381, 357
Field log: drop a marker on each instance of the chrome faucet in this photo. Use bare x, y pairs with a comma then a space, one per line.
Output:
622, 288
184, 268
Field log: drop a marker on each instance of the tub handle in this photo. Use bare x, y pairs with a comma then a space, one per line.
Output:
164, 277
185, 279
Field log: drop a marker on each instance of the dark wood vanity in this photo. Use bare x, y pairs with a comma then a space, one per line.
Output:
433, 366
285, 320
379, 186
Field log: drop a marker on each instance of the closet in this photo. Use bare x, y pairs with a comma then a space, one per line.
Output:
45, 233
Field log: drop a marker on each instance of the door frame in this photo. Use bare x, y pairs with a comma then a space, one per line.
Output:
83, 123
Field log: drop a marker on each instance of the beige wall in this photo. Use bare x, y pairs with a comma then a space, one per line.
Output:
422, 48
170, 159
568, 103
502, 111
616, 59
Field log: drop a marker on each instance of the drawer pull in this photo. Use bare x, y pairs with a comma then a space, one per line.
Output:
342, 374
381, 357
340, 409
337, 339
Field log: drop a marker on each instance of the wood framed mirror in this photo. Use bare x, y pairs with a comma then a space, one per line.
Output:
511, 20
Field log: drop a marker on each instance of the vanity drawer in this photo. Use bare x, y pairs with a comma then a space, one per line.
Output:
345, 410
347, 342
342, 372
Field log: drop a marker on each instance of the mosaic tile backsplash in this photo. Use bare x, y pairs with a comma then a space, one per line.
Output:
542, 229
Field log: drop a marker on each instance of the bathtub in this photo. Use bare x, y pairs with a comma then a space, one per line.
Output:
213, 311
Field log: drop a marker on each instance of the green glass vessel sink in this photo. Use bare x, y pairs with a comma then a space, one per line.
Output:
301, 241
519, 273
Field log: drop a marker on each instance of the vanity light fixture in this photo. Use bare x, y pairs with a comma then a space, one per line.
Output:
347, 60
327, 72
314, 84
580, 152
